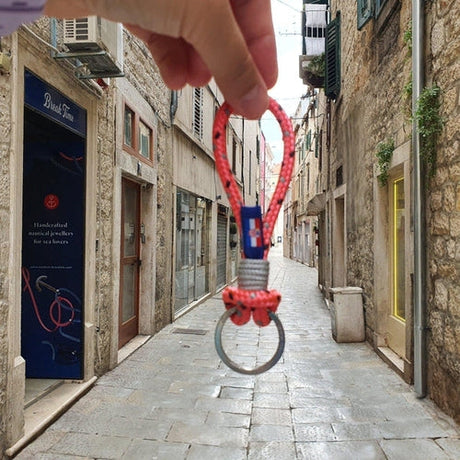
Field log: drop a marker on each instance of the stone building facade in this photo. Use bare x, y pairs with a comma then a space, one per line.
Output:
205, 253
93, 165
305, 181
367, 225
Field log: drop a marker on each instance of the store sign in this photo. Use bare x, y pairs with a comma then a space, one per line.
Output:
53, 241
53, 104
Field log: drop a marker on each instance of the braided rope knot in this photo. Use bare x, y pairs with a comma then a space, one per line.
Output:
251, 297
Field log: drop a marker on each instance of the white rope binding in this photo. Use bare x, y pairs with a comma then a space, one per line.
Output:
253, 274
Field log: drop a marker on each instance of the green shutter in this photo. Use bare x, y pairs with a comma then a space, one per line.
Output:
332, 79
309, 140
316, 144
365, 11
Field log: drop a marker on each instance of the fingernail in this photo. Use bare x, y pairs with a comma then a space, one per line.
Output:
254, 103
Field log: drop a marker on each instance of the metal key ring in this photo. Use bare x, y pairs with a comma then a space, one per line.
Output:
231, 364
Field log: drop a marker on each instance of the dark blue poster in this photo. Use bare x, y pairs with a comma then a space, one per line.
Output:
53, 233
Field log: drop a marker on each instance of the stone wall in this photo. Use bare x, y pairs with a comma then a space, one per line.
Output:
5, 144
106, 145
375, 67
443, 210
371, 108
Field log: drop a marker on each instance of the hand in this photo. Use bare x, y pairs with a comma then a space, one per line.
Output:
194, 40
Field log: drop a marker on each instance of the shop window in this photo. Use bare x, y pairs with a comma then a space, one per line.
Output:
138, 136
193, 227
332, 84
399, 251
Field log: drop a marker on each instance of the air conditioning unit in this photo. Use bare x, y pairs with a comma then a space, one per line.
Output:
97, 43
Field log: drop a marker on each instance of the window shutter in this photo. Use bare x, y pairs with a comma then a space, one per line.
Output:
332, 79
198, 112
309, 140
365, 11
317, 141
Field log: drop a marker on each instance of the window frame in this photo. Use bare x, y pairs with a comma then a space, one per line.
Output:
379, 5
134, 149
373, 9
365, 12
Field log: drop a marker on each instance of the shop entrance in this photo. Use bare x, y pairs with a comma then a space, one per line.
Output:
130, 262
53, 233
192, 249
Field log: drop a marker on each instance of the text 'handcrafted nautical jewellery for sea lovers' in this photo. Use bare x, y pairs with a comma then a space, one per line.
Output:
252, 297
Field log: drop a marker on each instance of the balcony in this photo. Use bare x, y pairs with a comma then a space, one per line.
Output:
311, 70
311, 62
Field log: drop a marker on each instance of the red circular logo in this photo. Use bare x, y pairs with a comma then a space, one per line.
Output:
51, 201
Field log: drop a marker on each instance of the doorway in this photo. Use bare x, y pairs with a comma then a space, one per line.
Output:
130, 262
53, 233
192, 249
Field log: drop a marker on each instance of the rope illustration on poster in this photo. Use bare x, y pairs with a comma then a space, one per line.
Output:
252, 298
62, 313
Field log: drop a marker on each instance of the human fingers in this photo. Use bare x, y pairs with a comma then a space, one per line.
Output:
259, 35
178, 63
211, 28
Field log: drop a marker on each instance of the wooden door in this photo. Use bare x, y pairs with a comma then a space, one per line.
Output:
130, 262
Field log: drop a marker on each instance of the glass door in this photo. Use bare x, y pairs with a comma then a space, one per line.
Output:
192, 249
130, 262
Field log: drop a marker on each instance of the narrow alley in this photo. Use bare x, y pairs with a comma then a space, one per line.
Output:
173, 398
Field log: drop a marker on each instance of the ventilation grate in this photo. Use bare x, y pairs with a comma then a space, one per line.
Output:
183, 330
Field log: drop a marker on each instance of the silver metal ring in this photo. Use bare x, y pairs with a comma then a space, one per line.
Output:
231, 364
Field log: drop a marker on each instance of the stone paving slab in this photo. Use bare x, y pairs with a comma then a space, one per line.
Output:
174, 399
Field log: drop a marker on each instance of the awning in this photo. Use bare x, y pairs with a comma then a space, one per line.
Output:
316, 204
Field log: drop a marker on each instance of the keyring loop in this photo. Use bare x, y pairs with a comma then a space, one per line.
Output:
231, 364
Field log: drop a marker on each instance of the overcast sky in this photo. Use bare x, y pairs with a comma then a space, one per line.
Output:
289, 88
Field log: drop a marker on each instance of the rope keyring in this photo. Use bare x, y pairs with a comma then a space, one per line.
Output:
252, 297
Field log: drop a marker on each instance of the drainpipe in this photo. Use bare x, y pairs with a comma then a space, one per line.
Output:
419, 210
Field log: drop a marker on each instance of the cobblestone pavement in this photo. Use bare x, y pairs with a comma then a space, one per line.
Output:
174, 399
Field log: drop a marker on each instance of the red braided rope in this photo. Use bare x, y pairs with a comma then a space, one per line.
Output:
226, 174
257, 303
